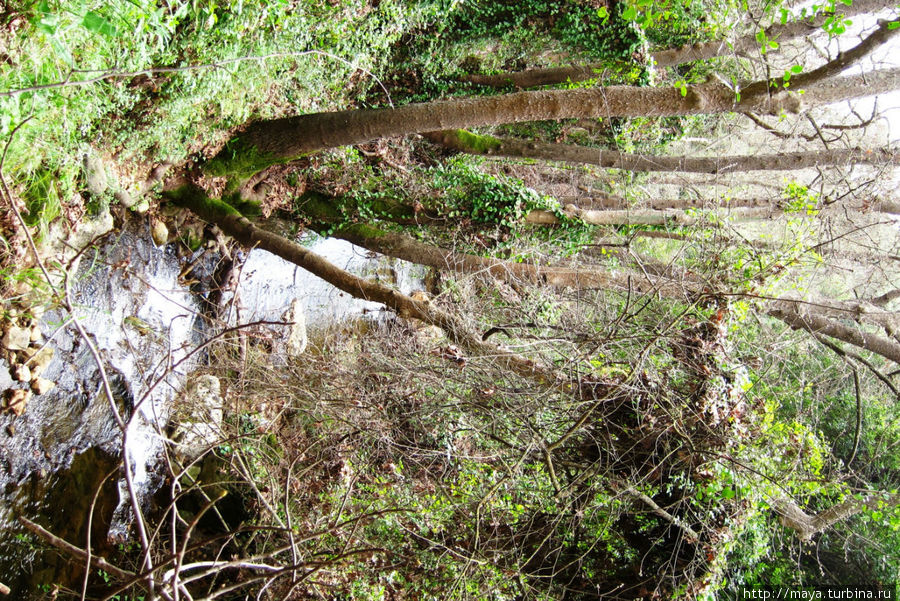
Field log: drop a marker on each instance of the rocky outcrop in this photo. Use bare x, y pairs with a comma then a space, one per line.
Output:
196, 425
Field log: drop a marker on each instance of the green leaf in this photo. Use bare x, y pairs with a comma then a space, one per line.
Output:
629, 14
98, 24
796, 68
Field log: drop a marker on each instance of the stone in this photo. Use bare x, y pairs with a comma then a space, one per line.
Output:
16, 338
16, 401
141, 206
159, 232
298, 338
22, 373
196, 425
35, 333
95, 175
42, 385
41, 360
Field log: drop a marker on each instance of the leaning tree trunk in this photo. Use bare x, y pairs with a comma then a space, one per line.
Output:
280, 140
686, 53
404, 247
799, 316
807, 526
470, 143
285, 139
239, 227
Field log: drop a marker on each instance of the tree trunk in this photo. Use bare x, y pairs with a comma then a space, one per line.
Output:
670, 217
404, 247
281, 140
807, 526
240, 228
470, 143
675, 56
798, 316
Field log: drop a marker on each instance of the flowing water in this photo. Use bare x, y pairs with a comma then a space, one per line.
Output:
145, 322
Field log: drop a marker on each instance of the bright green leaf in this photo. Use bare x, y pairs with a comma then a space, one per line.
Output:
98, 24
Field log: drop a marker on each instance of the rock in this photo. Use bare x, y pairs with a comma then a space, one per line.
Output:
35, 333
196, 425
16, 400
297, 335
94, 175
159, 232
141, 206
16, 338
22, 373
41, 360
42, 385
11, 430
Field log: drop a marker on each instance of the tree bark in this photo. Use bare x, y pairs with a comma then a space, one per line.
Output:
807, 526
470, 143
280, 140
798, 317
288, 138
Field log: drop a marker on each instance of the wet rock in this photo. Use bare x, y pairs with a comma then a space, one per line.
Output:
159, 232
42, 385
198, 419
16, 338
22, 373
16, 400
297, 335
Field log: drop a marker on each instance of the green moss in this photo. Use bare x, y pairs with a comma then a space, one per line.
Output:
238, 162
319, 207
194, 198
476, 142
248, 208
364, 230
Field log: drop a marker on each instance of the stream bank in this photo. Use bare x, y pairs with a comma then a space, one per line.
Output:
146, 308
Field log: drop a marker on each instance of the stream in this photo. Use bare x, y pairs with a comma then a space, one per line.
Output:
146, 323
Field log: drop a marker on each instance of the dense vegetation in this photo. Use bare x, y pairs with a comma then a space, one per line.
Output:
608, 392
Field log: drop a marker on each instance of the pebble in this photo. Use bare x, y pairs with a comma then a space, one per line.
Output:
159, 232
42, 385
16, 338
23, 373
16, 400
